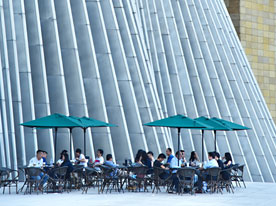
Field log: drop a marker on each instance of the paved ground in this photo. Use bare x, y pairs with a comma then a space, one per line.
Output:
255, 194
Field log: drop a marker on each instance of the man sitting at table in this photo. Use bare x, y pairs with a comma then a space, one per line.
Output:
37, 161
225, 175
176, 162
99, 159
117, 172
44, 156
158, 163
183, 156
203, 176
169, 154
80, 158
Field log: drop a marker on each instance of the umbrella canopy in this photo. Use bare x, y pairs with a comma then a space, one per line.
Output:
212, 125
229, 124
54, 121
177, 121
90, 122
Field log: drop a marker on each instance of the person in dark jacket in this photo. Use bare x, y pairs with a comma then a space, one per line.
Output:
225, 175
66, 162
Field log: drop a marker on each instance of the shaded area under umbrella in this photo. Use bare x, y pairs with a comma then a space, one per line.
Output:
87, 122
179, 122
212, 125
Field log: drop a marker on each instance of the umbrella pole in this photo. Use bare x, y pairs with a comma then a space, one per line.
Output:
202, 155
56, 129
70, 143
84, 143
178, 145
215, 131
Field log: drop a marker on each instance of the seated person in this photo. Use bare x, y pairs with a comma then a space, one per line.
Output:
203, 176
151, 157
37, 161
225, 175
44, 156
194, 159
169, 154
99, 159
228, 160
176, 162
80, 158
117, 172
66, 163
158, 163
142, 159
183, 156
60, 161
219, 161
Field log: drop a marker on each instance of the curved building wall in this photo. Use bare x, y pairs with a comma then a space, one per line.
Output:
128, 62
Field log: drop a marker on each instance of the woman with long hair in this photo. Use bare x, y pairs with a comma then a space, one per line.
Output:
194, 159
228, 159
66, 162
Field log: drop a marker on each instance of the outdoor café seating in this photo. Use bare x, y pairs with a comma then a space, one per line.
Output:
105, 180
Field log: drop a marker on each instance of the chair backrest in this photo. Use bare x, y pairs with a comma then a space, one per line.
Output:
32, 171
240, 169
106, 170
60, 171
4, 174
186, 173
89, 171
157, 171
213, 172
78, 167
140, 171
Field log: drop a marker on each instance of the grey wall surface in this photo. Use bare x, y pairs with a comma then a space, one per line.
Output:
128, 62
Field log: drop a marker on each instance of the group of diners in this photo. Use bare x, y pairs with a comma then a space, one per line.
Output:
178, 160
169, 162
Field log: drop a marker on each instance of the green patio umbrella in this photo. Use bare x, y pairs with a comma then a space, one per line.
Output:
90, 122
54, 121
232, 125
212, 125
177, 121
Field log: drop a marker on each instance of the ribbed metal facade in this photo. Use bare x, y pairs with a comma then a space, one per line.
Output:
128, 62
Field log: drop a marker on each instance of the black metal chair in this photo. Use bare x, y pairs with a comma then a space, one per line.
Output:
186, 179
13, 179
4, 178
159, 179
238, 175
213, 177
137, 178
92, 178
226, 180
31, 181
77, 175
58, 179
110, 179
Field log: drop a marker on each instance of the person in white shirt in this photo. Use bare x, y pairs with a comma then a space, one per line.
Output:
174, 164
151, 157
80, 158
203, 176
183, 156
37, 162
99, 159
